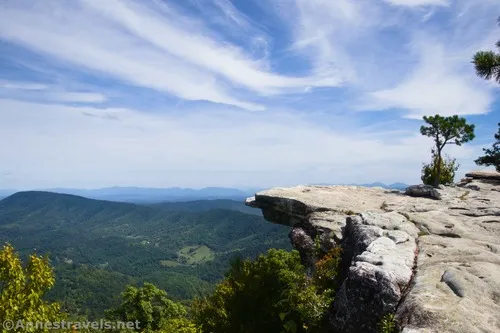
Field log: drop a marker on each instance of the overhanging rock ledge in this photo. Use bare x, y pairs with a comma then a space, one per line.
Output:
434, 263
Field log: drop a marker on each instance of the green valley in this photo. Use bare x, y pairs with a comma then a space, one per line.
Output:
98, 247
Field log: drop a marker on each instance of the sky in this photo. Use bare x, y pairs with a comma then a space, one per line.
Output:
237, 93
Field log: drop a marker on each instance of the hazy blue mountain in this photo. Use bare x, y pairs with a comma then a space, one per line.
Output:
398, 186
172, 194
152, 195
393, 186
204, 205
6, 192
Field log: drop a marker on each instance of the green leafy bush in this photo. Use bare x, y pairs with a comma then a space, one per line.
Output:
448, 168
327, 269
22, 290
149, 306
387, 324
180, 325
269, 294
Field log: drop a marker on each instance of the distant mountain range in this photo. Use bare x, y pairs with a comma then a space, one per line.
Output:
393, 186
149, 195
171, 194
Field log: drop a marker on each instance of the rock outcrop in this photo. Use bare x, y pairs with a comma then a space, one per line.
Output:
434, 262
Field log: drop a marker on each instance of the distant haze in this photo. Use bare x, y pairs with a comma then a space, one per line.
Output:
153, 195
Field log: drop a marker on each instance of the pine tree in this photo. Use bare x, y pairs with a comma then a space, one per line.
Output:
491, 156
444, 131
487, 63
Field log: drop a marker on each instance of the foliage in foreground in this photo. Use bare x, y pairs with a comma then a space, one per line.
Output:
153, 310
491, 156
446, 130
270, 294
23, 288
387, 324
448, 168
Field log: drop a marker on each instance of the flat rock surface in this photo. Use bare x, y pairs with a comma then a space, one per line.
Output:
484, 175
454, 283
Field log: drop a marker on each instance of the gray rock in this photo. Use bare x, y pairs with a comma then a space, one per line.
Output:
423, 191
305, 244
396, 250
451, 280
473, 187
379, 268
484, 175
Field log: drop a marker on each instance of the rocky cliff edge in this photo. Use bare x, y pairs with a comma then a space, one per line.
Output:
431, 256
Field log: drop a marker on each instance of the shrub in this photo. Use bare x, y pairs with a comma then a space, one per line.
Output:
269, 294
327, 269
23, 288
148, 305
448, 169
387, 324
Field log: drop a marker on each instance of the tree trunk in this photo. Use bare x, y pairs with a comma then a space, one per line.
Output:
438, 169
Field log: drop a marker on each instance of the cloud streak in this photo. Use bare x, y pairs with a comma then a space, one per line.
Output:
144, 45
419, 3
196, 149
155, 92
45, 92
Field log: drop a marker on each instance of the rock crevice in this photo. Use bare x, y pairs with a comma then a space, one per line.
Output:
431, 256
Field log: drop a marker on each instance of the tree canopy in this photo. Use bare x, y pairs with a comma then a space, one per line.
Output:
22, 290
149, 306
448, 168
487, 63
491, 156
446, 130
270, 294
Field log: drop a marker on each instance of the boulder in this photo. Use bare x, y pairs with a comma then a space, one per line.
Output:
485, 175
423, 191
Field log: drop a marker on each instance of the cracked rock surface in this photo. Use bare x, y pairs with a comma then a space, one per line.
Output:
434, 262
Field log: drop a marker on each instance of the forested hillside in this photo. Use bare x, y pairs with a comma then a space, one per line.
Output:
98, 247
204, 205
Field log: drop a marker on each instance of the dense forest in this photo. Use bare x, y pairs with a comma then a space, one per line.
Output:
99, 247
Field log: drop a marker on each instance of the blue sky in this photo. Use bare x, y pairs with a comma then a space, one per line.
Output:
236, 93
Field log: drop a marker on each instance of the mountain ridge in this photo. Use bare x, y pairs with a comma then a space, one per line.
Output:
136, 194
98, 246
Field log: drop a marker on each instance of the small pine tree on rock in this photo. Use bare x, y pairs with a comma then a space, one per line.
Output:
491, 156
445, 131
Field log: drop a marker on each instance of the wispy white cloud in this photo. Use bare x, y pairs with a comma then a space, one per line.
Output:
418, 3
198, 148
106, 49
231, 13
46, 92
436, 85
76, 97
145, 45
22, 85
397, 59
151, 44
443, 80
309, 70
